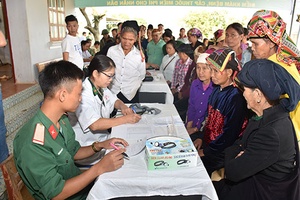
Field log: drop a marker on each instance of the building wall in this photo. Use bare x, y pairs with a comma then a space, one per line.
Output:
29, 33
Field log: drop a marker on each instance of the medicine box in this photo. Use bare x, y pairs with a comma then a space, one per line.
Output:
169, 152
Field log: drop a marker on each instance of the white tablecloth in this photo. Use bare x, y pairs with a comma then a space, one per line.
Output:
134, 179
159, 84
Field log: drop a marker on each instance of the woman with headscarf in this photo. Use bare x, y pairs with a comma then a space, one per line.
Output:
200, 91
267, 33
227, 112
194, 35
184, 74
264, 163
219, 41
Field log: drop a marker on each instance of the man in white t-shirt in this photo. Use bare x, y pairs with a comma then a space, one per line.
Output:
71, 46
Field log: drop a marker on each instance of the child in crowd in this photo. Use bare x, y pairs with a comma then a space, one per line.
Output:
71, 46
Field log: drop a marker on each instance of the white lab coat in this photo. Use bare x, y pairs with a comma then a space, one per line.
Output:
90, 110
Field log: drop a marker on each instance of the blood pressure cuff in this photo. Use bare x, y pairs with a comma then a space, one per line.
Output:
148, 78
139, 109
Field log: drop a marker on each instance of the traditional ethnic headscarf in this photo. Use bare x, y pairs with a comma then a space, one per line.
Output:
219, 35
224, 59
273, 80
196, 32
266, 23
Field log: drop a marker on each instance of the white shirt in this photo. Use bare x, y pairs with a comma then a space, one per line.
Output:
184, 40
72, 45
130, 71
86, 54
169, 70
91, 109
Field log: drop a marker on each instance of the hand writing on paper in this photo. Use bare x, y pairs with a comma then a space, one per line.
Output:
110, 162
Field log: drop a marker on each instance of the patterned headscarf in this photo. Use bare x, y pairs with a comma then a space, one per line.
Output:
266, 23
219, 35
224, 59
195, 32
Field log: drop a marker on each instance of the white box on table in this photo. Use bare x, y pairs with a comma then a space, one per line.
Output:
169, 152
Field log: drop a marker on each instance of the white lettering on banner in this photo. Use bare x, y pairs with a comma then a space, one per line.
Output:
113, 3
200, 3
126, 3
183, 3
152, 2
141, 3
166, 3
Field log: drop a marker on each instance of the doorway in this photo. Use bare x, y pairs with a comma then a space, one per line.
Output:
6, 69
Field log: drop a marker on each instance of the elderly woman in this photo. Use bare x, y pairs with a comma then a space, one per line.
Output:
227, 111
200, 91
264, 163
267, 32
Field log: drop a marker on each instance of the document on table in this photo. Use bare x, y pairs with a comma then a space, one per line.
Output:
135, 146
168, 120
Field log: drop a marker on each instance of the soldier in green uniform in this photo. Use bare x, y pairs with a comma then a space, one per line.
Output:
45, 148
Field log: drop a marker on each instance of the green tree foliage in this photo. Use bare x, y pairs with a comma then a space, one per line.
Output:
210, 21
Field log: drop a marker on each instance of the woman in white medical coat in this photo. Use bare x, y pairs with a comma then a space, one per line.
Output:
92, 118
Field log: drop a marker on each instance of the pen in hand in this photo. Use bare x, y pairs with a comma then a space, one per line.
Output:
133, 109
117, 148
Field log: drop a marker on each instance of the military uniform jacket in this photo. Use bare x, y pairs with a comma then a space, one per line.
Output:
44, 156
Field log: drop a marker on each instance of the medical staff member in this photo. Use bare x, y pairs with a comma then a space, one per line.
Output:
91, 120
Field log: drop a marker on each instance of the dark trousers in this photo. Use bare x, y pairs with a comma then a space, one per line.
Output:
182, 107
212, 161
125, 100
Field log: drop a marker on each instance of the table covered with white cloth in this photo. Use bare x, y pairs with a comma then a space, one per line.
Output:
158, 84
133, 179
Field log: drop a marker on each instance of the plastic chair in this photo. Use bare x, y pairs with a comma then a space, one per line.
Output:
15, 187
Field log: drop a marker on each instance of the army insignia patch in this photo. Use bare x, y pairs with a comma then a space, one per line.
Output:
39, 134
52, 131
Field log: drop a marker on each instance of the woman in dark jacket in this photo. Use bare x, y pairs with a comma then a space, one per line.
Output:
263, 164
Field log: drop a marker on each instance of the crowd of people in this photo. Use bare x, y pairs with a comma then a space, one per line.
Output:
238, 96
